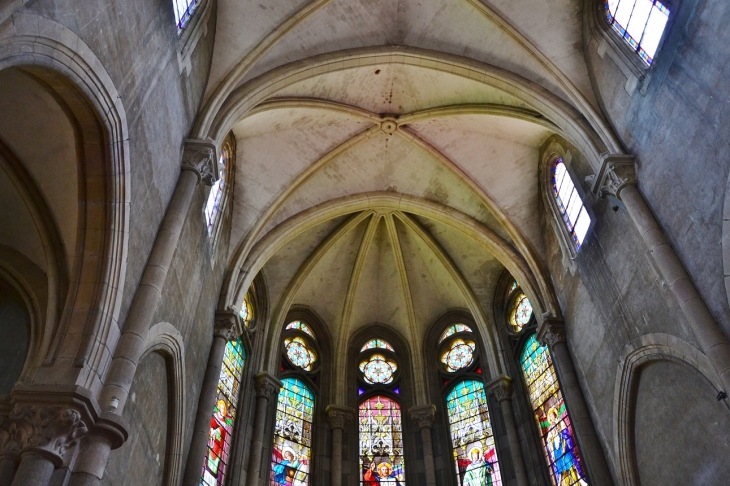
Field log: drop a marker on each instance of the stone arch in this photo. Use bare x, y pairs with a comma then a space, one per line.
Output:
68, 68
636, 354
165, 339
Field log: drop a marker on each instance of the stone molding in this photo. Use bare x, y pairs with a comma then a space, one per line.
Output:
227, 325
617, 172
551, 331
423, 415
266, 385
338, 415
49, 430
199, 156
501, 388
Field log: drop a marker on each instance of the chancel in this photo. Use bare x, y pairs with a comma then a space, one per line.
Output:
364, 243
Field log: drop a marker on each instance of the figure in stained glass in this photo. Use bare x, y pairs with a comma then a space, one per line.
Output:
224, 413
475, 455
292, 434
453, 329
556, 430
381, 442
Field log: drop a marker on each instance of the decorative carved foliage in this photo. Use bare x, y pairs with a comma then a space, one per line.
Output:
266, 385
199, 157
617, 172
501, 389
423, 415
339, 415
51, 429
551, 332
227, 325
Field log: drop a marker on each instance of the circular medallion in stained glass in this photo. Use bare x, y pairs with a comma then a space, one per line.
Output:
299, 353
459, 355
378, 370
521, 313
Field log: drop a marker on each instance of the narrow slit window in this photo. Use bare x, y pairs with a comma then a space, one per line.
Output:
570, 204
184, 10
215, 197
640, 23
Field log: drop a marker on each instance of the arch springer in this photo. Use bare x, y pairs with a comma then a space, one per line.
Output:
551, 331
617, 172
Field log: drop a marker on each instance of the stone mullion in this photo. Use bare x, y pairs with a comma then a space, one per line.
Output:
501, 389
337, 416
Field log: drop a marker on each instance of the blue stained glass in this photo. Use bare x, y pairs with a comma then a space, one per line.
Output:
381, 442
183, 11
224, 415
292, 434
475, 456
551, 416
640, 23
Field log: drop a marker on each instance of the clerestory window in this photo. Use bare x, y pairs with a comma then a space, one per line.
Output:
184, 10
640, 23
570, 205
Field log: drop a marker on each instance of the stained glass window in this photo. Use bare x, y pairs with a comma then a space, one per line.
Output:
378, 370
556, 430
377, 343
381, 442
300, 353
300, 326
472, 439
640, 22
512, 287
246, 310
570, 204
459, 355
183, 11
453, 329
292, 434
521, 313
215, 197
224, 414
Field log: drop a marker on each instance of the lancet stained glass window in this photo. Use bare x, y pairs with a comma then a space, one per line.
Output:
459, 355
377, 343
299, 353
556, 430
378, 370
246, 313
453, 329
300, 326
640, 22
570, 204
215, 197
292, 434
183, 11
381, 442
224, 415
521, 313
472, 439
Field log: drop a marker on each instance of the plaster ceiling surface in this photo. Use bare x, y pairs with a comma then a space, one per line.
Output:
38, 132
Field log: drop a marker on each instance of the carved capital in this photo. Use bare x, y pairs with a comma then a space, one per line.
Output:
199, 156
52, 430
266, 385
551, 331
227, 325
423, 415
338, 415
617, 172
501, 388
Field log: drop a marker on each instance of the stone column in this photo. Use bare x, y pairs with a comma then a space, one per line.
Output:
551, 333
198, 164
617, 177
501, 390
227, 328
44, 435
267, 387
423, 415
338, 415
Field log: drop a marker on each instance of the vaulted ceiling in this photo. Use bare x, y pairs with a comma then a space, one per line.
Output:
387, 151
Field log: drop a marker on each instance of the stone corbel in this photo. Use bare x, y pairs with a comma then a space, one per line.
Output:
266, 385
551, 331
227, 325
199, 156
501, 388
617, 172
338, 415
423, 415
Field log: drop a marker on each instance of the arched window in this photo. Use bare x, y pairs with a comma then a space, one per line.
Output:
246, 313
380, 422
216, 195
472, 439
183, 11
292, 452
570, 204
520, 312
224, 415
551, 416
640, 23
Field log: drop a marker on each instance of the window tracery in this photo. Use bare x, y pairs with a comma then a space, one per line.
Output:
377, 343
569, 203
214, 202
300, 326
521, 312
640, 23
459, 355
453, 329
